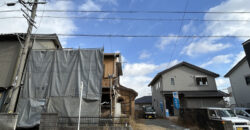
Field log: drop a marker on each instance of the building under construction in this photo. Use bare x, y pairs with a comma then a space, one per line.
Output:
121, 98
51, 82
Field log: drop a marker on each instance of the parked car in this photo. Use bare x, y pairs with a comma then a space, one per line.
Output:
214, 118
242, 112
149, 112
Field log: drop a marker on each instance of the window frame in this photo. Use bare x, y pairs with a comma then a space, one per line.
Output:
172, 81
210, 116
201, 77
246, 77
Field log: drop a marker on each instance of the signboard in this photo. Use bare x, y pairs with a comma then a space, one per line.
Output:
176, 100
161, 106
167, 113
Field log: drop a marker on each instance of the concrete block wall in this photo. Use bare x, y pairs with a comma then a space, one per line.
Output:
8, 121
48, 121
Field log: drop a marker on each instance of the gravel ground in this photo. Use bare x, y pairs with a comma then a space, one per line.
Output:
155, 124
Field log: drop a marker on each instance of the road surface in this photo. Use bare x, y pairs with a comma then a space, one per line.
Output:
156, 124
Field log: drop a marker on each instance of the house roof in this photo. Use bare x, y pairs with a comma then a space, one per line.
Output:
144, 100
183, 64
128, 89
215, 93
235, 67
14, 36
246, 42
112, 54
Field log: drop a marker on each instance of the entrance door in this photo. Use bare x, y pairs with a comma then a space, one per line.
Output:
169, 104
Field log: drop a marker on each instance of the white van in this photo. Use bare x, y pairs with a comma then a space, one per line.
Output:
214, 118
242, 112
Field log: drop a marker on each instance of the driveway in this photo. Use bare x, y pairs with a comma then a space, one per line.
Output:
156, 124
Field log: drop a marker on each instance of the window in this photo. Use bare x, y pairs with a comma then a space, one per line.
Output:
172, 81
158, 85
201, 81
247, 80
240, 112
212, 113
225, 113
248, 111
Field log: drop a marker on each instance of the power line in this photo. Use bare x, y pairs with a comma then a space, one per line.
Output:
140, 11
150, 36
133, 19
179, 32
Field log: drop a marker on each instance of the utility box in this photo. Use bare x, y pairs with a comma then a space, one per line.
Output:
8, 121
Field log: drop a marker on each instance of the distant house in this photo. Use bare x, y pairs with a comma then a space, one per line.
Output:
239, 77
143, 101
231, 101
196, 88
139, 103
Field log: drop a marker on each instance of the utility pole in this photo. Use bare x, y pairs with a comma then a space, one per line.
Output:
23, 55
111, 91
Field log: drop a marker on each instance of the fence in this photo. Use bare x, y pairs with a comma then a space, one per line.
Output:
93, 121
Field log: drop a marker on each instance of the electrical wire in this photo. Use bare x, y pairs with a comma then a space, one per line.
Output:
151, 36
44, 7
139, 11
136, 19
179, 32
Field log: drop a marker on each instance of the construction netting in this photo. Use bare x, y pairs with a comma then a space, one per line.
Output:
52, 80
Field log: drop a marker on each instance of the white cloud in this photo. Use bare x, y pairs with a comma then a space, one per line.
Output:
90, 5
238, 57
203, 47
45, 25
220, 59
229, 28
138, 75
164, 41
233, 28
144, 55
188, 27
139, 69
123, 59
222, 83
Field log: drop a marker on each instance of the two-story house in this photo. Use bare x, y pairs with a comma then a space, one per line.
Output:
117, 100
196, 88
239, 77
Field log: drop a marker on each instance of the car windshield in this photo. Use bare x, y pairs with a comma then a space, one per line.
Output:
225, 113
248, 111
149, 109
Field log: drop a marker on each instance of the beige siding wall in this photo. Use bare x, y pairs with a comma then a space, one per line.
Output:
157, 97
239, 87
204, 102
9, 51
184, 78
44, 44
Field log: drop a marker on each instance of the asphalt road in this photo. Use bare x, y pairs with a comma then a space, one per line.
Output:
157, 124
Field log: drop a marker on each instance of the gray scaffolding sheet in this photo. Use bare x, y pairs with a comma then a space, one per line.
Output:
52, 84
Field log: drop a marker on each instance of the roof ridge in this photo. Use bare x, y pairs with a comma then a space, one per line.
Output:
188, 65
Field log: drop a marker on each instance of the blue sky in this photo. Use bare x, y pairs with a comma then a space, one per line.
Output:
144, 57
